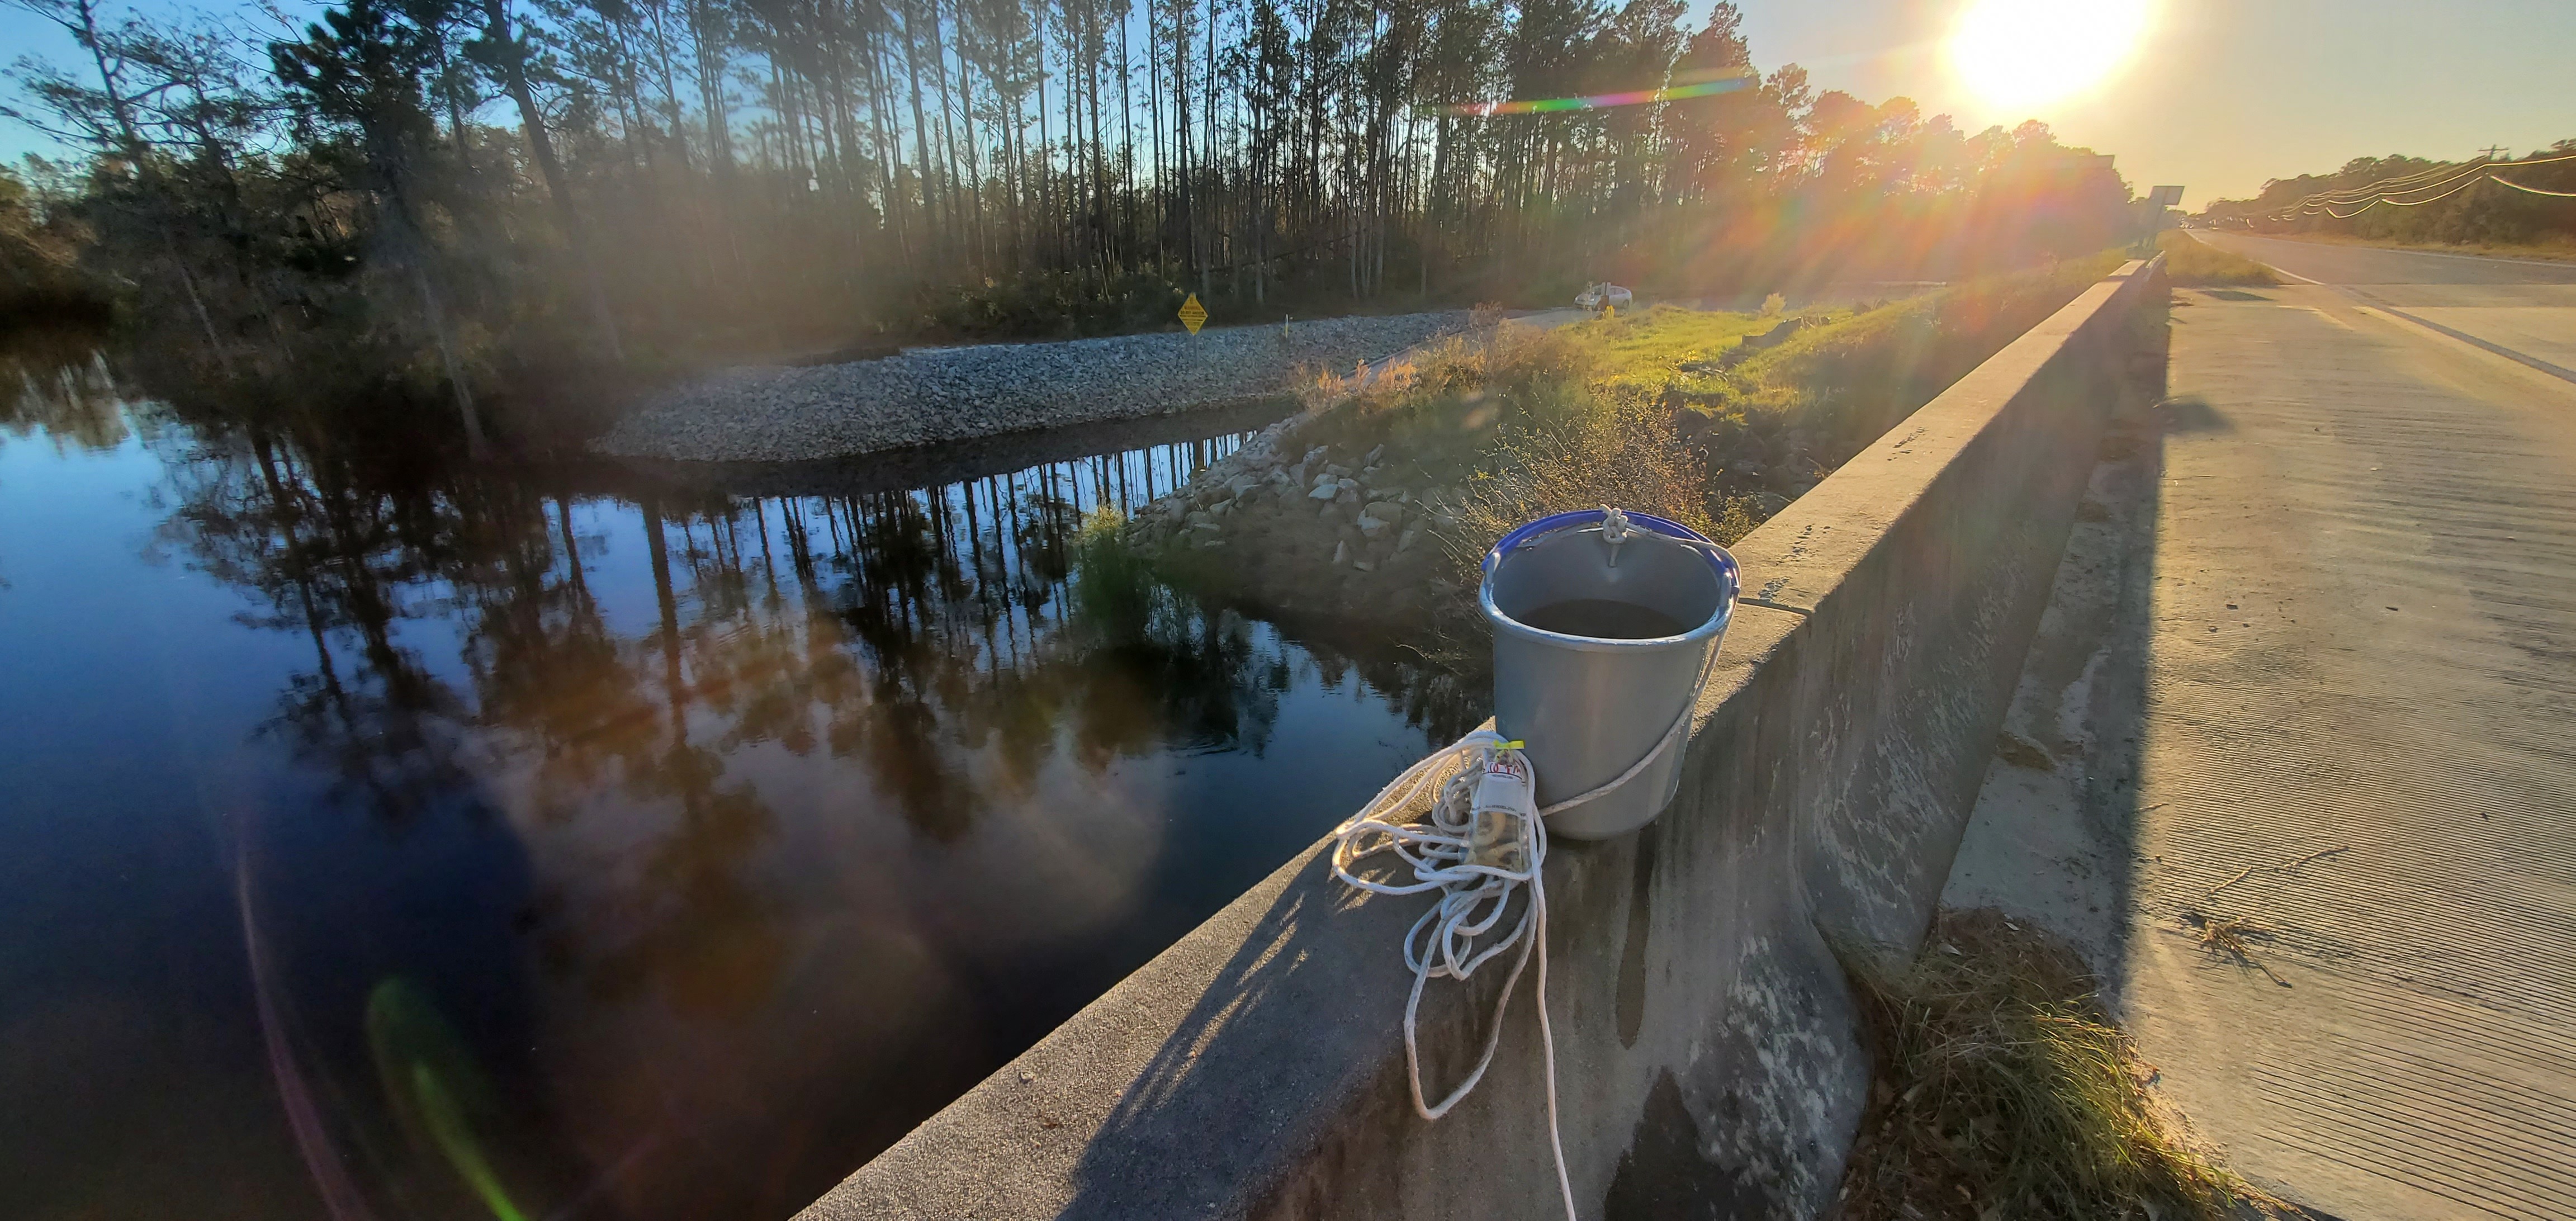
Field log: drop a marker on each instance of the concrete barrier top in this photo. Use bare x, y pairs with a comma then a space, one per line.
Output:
1710, 1060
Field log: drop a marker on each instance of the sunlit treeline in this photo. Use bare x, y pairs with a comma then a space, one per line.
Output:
2413, 199
450, 190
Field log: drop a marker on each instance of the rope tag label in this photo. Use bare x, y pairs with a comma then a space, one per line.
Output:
1502, 794
1506, 784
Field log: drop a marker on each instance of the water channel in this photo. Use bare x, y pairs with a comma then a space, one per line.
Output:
383, 836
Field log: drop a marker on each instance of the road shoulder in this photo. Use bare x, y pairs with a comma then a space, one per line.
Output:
2287, 760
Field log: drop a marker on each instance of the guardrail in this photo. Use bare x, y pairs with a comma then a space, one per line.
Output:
1709, 1056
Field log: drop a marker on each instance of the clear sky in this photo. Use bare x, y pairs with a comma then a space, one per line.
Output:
2224, 94
2220, 95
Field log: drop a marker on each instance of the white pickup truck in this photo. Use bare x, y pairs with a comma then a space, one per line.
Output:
1603, 294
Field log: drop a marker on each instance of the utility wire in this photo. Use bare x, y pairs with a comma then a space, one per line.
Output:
2398, 185
2533, 190
2372, 195
2403, 203
2381, 191
2385, 190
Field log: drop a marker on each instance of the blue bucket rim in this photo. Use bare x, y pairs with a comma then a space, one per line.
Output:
1729, 575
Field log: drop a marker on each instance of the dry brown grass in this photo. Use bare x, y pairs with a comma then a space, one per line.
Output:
1621, 451
1511, 422
1614, 452
2005, 1091
2193, 263
1525, 422
2231, 939
1455, 392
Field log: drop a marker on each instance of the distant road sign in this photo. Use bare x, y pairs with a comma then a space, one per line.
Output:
2165, 197
1193, 314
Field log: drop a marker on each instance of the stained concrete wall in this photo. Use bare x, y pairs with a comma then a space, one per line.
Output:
1709, 1057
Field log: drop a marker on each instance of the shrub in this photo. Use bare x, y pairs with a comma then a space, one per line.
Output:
1712, 419
1115, 591
1055, 303
2005, 1090
1614, 450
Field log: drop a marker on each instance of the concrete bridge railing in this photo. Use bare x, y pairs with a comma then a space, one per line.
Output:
1710, 1062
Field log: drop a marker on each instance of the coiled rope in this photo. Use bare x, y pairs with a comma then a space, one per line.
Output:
1480, 837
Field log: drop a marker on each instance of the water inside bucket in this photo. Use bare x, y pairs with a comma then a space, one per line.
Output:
1604, 619
1598, 652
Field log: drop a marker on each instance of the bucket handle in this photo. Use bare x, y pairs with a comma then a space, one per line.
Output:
1556, 523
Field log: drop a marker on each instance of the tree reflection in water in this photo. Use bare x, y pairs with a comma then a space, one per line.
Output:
825, 803
71, 404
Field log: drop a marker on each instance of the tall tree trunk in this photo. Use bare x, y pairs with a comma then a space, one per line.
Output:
947, 141
1207, 102
436, 311
140, 156
1046, 138
1181, 125
670, 88
1099, 153
711, 94
1126, 148
511, 56
889, 159
940, 215
1154, 113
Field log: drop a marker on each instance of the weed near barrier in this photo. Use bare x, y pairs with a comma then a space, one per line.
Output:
2193, 263
2005, 1090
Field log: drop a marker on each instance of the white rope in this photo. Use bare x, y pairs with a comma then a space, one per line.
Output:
1481, 837
1465, 822
1481, 840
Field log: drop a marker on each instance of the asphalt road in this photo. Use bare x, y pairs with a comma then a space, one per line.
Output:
2523, 309
2336, 263
2309, 686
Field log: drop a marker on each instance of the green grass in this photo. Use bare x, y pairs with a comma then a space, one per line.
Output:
1667, 410
1527, 421
1115, 588
2004, 1089
1649, 347
1850, 379
1847, 373
2193, 263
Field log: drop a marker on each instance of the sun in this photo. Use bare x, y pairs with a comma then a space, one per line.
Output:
2019, 53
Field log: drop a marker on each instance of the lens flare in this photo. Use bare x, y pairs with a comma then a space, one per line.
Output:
1684, 85
2017, 53
433, 1087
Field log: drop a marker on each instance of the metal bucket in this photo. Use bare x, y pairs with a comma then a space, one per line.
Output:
1590, 706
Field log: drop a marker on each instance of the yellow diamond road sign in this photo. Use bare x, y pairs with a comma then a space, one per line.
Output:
1193, 314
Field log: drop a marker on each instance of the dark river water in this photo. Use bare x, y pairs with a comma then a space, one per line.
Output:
389, 837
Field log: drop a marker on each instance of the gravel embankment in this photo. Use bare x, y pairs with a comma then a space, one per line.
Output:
772, 414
